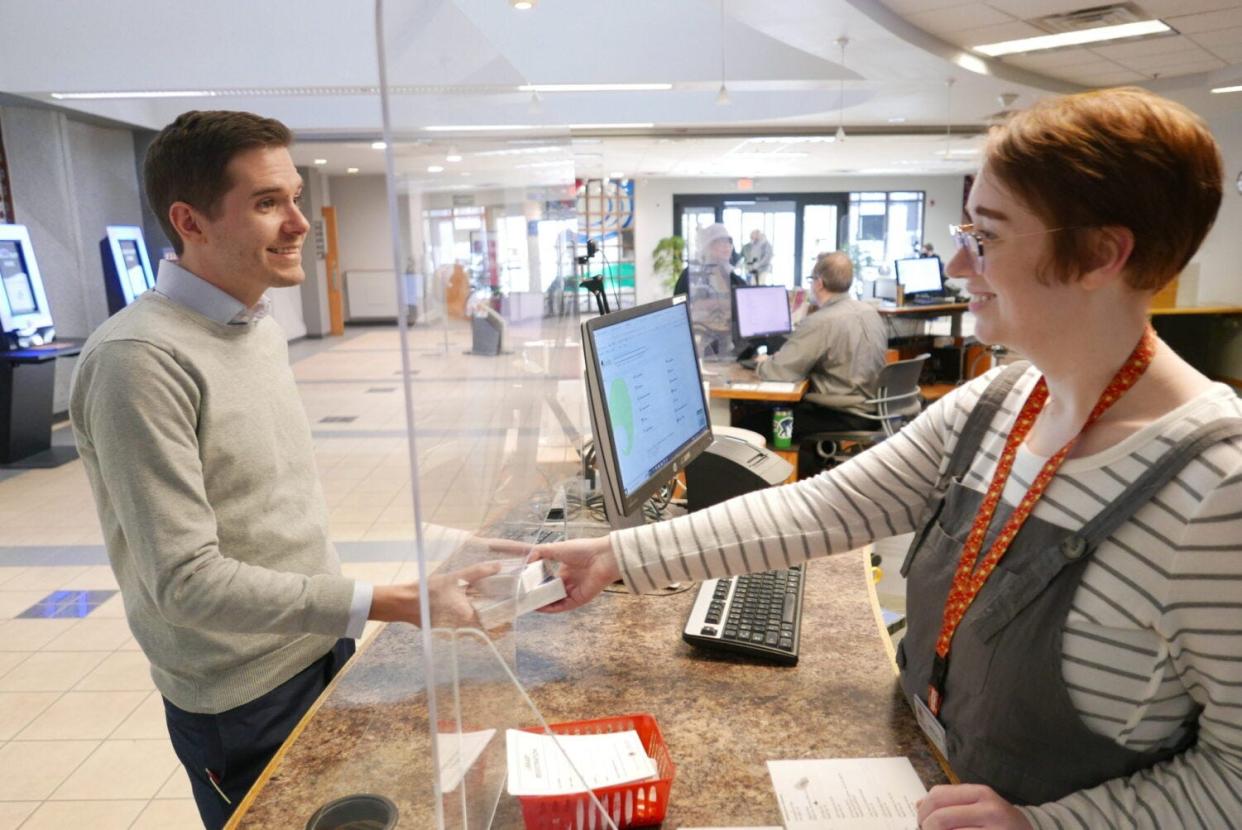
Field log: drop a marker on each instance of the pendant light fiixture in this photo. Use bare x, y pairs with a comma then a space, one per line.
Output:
722, 97
842, 41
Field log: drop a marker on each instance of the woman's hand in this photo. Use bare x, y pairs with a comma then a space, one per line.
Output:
968, 805
450, 607
587, 567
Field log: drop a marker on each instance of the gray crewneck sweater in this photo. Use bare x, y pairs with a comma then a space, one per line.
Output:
200, 458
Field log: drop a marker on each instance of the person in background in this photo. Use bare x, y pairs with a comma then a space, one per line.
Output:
927, 249
840, 347
200, 458
1073, 638
715, 250
757, 254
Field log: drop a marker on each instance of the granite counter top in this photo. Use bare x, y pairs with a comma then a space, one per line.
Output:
722, 717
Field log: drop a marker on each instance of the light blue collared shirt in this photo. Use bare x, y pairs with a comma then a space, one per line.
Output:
195, 293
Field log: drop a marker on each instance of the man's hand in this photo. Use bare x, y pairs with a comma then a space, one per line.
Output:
587, 567
450, 607
762, 358
968, 805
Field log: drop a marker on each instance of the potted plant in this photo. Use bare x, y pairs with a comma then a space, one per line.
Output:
668, 259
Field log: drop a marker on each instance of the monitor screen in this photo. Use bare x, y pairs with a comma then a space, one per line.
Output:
134, 272
16, 281
920, 276
762, 310
648, 373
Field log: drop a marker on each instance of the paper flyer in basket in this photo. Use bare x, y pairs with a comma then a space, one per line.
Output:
538, 766
847, 793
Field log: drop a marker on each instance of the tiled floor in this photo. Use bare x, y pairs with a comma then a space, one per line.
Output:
82, 736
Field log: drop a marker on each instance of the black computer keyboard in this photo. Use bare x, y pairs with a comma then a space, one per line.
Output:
926, 300
755, 614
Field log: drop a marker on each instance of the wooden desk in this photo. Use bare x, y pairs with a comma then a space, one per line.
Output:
728, 375
724, 390
722, 717
1203, 310
927, 312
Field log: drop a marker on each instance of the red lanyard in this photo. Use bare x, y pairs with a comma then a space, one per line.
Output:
967, 581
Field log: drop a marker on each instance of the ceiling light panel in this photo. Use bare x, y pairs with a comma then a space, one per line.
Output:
1095, 35
594, 87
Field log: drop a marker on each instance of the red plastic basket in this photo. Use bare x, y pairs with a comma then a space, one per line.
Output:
640, 804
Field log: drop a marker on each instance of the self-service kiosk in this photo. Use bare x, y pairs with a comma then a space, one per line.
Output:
25, 317
28, 352
126, 266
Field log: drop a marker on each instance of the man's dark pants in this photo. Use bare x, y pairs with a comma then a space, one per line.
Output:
225, 753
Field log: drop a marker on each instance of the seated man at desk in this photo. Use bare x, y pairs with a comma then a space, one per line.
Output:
840, 347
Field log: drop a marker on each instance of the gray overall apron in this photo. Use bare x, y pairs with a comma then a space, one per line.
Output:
1008, 717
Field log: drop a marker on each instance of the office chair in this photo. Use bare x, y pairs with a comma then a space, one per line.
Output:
895, 403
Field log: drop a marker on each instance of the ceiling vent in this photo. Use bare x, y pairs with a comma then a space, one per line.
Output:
1092, 18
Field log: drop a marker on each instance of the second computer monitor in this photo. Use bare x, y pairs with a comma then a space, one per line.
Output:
920, 275
649, 415
127, 269
762, 310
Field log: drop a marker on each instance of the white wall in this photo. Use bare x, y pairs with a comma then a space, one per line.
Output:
1220, 258
69, 180
363, 233
653, 208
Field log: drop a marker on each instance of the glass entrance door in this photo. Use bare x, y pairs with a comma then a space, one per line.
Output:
821, 226
777, 222
693, 218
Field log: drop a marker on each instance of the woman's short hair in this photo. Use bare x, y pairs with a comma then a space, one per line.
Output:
1116, 157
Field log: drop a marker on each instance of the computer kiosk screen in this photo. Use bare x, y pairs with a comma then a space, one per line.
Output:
134, 272
649, 376
17, 286
762, 310
920, 276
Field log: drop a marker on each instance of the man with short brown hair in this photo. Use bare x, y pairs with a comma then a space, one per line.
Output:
200, 458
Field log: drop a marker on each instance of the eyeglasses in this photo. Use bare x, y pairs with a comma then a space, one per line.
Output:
966, 238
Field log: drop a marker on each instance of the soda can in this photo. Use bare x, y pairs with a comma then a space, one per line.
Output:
782, 428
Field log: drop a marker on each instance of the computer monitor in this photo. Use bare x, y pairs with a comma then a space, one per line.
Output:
920, 275
126, 266
25, 317
761, 310
649, 415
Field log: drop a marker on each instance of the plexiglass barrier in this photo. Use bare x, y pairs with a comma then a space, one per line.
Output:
437, 718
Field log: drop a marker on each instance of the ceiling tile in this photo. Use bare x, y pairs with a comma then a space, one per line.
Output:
1231, 53
1165, 8
1097, 67
1121, 76
1056, 59
1150, 46
909, 7
957, 18
1220, 37
1173, 70
995, 34
1206, 22
1031, 9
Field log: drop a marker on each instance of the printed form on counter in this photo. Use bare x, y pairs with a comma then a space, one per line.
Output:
854, 793
537, 766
